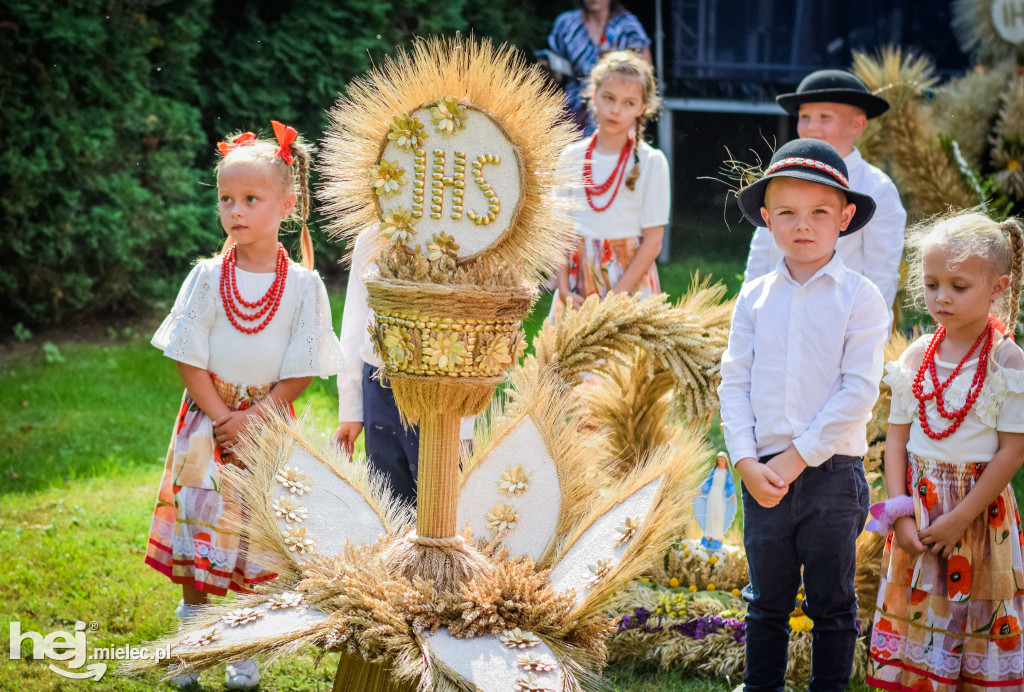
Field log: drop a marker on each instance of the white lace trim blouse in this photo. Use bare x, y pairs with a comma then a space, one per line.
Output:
298, 342
999, 407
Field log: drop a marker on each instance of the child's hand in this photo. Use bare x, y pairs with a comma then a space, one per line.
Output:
227, 427
346, 434
762, 482
787, 465
944, 533
905, 530
571, 299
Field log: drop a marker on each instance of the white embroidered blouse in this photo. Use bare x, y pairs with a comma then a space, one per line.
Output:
298, 342
999, 408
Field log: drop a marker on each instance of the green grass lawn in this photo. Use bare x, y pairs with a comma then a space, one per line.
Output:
85, 428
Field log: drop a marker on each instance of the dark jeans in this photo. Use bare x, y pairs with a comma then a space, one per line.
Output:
391, 449
815, 527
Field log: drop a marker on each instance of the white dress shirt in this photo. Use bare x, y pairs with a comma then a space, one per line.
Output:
803, 364
874, 251
356, 343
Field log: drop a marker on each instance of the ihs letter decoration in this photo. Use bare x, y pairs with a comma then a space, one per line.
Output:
465, 139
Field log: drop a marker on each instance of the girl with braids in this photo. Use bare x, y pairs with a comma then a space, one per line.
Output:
951, 600
623, 202
250, 328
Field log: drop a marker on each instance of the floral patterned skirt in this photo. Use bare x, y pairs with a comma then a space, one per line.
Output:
951, 624
186, 539
598, 264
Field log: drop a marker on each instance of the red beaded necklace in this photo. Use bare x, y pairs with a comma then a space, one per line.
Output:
618, 173
985, 340
267, 305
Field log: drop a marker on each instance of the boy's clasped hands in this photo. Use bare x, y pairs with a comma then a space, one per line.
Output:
768, 483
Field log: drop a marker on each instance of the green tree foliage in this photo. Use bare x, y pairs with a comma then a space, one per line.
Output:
110, 111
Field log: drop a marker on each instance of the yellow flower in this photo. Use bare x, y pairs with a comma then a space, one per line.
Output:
386, 178
1012, 165
673, 582
494, 355
711, 587
801, 623
502, 517
735, 592
713, 559
800, 597
445, 350
693, 587
397, 226
407, 132
398, 343
645, 580
448, 115
515, 480
443, 246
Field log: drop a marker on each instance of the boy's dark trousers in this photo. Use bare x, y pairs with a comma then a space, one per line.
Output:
815, 526
391, 449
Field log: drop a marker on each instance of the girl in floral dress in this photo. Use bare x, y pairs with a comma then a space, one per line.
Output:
623, 203
951, 601
249, 328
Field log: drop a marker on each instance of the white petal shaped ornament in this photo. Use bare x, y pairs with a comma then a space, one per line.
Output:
493, 665
596, 552
262, 623
517, 483
328, 513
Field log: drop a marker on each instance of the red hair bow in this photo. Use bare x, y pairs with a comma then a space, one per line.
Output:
285, 136
242, 139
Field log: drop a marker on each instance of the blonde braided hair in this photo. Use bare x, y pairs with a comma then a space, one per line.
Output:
263, 153
1015, 230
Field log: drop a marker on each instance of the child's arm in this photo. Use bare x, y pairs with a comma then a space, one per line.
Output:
355, 318
788, 464
564, 293
202, 391
645, 255
738, 420
946, 531
904, 528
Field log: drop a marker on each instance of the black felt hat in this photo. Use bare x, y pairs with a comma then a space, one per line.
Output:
833, 86
812, 160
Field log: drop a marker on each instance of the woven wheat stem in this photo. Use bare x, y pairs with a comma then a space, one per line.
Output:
355, 674
437, 497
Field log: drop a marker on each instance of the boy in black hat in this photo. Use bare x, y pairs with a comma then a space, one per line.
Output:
799, 379
834, 106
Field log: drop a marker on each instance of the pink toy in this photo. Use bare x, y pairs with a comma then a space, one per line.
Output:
885, 514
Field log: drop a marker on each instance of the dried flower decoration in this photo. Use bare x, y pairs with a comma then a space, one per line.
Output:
540, 663
386, 178
530, 683
518, 639
521, 345
297, 540
201, 638
448, 115
445, 351
398, 343
627, 530
502, 517
241, 616
397, 226
289, 509
515, 480
298, 482
444, 246
600, 570
283, 601
496, 354
407, 132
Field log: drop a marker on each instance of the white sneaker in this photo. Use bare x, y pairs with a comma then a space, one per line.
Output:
184, 612
243, 675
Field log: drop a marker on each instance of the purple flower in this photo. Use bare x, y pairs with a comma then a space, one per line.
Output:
641, 616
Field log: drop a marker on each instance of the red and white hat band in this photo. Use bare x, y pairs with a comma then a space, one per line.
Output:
809, 163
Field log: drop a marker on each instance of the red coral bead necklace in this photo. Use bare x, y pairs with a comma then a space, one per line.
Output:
985, 341
267, 305
618, 174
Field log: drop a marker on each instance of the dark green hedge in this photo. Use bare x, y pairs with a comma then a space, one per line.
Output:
109, 111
